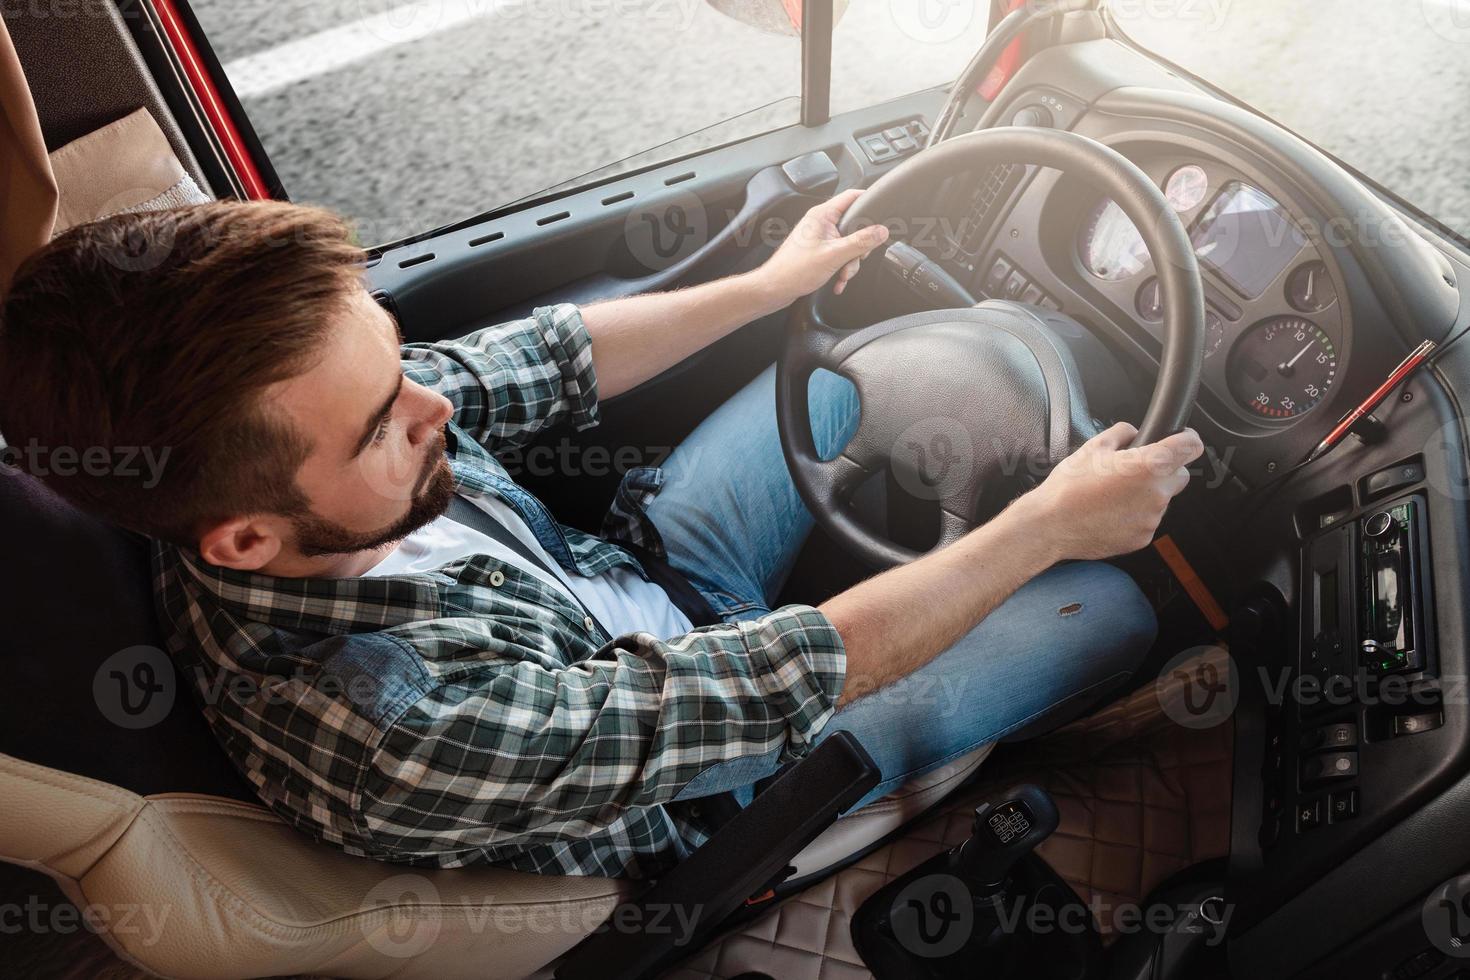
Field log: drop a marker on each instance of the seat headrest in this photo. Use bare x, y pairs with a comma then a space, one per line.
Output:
88, 688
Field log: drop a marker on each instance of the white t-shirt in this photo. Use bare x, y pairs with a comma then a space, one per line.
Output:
620, 598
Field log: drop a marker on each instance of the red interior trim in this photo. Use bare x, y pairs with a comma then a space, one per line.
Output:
1005, 65
209, 98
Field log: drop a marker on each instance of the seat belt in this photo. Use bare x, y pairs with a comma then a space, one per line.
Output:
681, 593
461, 511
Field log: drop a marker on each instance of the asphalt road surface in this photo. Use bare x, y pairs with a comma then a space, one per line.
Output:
407, 115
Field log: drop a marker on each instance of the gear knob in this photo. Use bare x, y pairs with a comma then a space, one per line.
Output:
1004, 833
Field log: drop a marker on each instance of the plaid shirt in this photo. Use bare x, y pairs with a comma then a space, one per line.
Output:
472, 715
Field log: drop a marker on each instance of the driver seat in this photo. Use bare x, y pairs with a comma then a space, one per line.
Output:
115, 787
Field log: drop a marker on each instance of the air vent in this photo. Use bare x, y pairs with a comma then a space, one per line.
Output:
617, 198
494, 236
679, 179
416, 260
993, 191
553, 217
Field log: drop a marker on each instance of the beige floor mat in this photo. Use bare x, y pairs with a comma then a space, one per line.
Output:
1141, 797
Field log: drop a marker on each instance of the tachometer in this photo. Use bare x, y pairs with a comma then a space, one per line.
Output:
1282, 367
1111, 247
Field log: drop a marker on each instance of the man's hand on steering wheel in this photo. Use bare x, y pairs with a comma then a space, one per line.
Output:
1108, 499
816, 250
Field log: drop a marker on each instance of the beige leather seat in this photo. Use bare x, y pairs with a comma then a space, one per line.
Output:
185, 885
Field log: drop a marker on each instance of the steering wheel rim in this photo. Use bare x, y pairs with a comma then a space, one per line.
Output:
825, 485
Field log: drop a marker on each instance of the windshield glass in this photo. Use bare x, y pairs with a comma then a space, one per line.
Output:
405, 115
1381, 85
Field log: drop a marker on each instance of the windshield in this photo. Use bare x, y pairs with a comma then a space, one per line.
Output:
1380, 84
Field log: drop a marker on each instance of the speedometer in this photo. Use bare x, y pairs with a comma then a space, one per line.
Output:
1111, 247
1282, 368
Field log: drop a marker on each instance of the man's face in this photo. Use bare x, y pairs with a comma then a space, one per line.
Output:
376, 470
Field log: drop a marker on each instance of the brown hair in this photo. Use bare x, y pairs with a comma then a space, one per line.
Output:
155, 334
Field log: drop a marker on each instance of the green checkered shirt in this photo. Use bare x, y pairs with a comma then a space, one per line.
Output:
472, 715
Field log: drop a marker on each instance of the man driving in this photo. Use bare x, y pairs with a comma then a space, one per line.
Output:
408, 656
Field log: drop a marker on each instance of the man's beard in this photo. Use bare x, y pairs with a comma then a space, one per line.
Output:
432, 496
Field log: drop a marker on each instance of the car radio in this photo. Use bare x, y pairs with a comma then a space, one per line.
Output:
1390, 635
1368, 580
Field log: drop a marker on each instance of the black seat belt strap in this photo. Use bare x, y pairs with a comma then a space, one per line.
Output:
461, 511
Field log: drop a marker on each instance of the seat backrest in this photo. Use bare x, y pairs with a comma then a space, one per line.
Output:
88, 687
113, 784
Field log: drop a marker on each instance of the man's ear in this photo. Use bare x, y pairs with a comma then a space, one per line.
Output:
242, 543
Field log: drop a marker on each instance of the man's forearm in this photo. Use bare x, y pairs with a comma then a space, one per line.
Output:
896, 622
639, 337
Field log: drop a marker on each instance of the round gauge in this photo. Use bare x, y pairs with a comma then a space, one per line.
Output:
1214, 332
1150, 301
1186, 187
1111, 247
1310, 288
1282, 367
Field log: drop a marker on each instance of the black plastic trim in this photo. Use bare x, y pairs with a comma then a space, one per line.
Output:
816, 62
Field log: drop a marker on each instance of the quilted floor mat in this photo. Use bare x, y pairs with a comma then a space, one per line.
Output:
1141, 796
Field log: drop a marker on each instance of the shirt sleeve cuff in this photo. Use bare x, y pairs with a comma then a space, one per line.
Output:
800, 662
570, 346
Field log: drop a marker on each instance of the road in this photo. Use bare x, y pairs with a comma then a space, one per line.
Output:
407, 115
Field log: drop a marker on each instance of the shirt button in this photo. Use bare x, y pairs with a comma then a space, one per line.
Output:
589, 624
497, 578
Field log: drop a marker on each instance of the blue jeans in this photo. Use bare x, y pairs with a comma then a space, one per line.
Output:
733, 523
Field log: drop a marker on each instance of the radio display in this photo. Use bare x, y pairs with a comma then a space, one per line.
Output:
1246, 238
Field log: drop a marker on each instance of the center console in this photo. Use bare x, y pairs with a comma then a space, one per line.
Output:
1354, 705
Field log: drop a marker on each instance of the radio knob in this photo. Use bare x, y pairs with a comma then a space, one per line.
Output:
1379, 525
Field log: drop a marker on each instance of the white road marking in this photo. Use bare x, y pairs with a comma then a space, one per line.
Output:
287, 64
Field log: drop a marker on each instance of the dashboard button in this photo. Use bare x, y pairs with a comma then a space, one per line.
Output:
1015, 286
1032, 295
1414, 724
1329, 768
1384, 481
1308, 815
905, 144
877, 148
1337, 737
1342, 805
995, 279
895, 133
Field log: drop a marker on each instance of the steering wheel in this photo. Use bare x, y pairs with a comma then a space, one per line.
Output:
957, 401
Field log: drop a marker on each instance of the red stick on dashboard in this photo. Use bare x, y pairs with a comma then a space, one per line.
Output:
1345, 425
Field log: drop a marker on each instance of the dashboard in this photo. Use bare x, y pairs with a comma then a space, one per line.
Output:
1294, 258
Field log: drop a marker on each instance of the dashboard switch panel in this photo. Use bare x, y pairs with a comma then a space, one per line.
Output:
893, 141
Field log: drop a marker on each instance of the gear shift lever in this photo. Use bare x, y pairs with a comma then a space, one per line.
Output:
926, 924
1003, 834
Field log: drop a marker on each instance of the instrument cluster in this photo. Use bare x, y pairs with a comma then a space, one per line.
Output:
1273, 320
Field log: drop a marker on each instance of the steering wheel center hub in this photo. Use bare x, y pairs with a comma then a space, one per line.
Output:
958, 400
